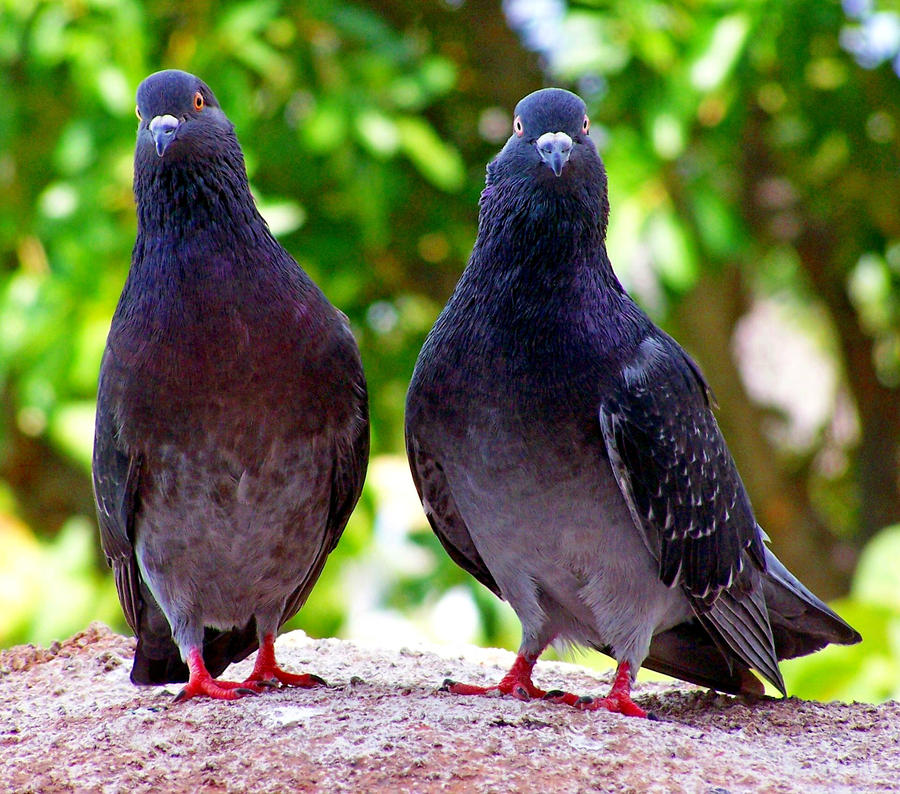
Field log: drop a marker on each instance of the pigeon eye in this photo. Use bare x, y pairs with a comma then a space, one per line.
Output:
586, 124
198, 101
518, 127
137, 112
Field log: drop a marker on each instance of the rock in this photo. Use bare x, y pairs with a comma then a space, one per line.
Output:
71, 720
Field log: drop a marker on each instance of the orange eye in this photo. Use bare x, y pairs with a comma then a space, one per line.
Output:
137, 112
586, 124
518, 127
198, 101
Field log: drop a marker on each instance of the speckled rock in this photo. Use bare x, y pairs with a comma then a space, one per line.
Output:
70, 720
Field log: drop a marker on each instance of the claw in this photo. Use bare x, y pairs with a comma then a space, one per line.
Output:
517, 683
267, 673
200, 682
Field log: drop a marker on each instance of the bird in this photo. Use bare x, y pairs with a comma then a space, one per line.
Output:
566, 454
232, 430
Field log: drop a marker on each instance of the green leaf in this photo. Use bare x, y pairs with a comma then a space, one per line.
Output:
439, 75
326, 128
282, 215
594, 42
876, 580
718, 58
71, 429
435, 159
673, 254
717, 225
378, 133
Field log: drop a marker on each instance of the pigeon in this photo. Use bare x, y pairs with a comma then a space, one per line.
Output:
232, 430
566, 454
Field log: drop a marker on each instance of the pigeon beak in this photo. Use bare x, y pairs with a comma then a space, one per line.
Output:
163, 128
555, 148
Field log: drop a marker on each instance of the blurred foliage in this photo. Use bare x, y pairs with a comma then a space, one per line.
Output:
869, 671
753, 151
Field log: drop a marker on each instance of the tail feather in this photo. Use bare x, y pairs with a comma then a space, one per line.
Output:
718, 647
688, 652
741, 624
801, 622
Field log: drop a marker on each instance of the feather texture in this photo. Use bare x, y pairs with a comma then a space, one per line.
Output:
232, 430
566, 451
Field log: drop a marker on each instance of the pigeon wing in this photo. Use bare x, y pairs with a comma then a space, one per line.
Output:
116, 476
347, 477
686, 497
675, 471
443, 515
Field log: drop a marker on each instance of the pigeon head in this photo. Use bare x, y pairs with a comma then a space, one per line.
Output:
548, 181
188, 163
551, 124
178, 114
550, 142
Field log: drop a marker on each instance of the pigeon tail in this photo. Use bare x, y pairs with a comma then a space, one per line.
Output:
801, 622
741, 628
687, 652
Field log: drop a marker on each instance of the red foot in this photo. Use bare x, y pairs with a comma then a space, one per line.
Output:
266, 671
266, 674
517, 682
619, 698
202, 683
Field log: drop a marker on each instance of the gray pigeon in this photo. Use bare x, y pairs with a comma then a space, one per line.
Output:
566, 454
232, 430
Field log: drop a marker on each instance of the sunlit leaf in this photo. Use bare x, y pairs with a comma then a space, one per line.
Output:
326, 128
876, 580
438, 161
718, 58
592, 44
283, 217
438, 74
71, 428
668, 135
378, 133
673, 255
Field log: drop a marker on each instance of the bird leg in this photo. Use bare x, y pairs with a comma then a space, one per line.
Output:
266, 671
617, 701
201, 682
517, 682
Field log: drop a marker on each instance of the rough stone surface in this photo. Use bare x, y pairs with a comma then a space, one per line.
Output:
70, 720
